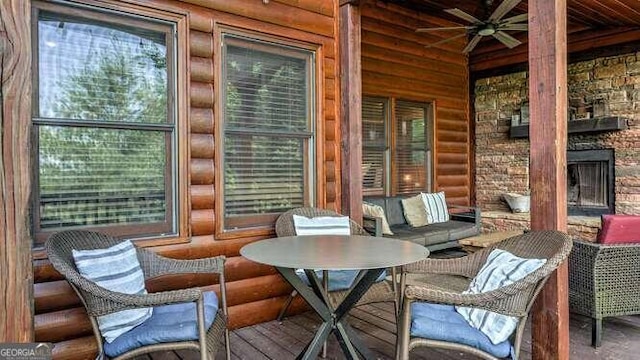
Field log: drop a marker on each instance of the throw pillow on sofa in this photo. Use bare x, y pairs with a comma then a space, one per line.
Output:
414, 211
436, 205
377, 211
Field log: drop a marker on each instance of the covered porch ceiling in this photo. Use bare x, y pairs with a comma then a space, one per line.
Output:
593, 26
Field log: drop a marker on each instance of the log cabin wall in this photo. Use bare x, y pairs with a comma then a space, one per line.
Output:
396, 62
255, 292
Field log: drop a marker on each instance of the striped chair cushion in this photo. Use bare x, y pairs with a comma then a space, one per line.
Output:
323, 225
501, 269
436, 206
116, 269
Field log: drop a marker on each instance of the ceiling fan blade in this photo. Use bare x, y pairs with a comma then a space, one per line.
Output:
517, 18
472, 44
506, 39
446, 40
463, 15
503, 9
515, 27
444, 28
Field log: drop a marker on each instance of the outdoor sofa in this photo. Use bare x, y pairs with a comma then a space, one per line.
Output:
464, 222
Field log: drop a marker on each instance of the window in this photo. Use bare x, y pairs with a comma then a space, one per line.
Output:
104, 123
268, 126
396, 154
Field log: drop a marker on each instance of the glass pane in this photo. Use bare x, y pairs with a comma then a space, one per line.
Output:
93, 70
266, 91
373, 171
374, 145
587, 184
374, 118
93, 177
411, 148
263, 174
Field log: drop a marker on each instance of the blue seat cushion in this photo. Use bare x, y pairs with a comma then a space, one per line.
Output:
338, 279
444, 323
169, 323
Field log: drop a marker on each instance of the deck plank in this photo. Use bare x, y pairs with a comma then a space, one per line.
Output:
375, 324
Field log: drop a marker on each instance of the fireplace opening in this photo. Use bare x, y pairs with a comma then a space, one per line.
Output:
590, 182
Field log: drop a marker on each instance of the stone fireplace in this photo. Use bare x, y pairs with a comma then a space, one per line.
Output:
603, 162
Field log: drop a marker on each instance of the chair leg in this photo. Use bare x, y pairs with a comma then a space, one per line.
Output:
227, 344
403, 333
286, 305
325, 285
596, 332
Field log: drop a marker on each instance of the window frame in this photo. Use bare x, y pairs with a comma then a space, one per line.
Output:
175, 26
313, 157
390, 172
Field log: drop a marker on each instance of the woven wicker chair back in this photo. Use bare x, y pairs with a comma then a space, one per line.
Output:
285, 226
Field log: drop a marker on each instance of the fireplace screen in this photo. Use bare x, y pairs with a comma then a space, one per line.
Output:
590, 182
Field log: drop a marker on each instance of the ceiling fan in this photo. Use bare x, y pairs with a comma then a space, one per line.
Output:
494, 25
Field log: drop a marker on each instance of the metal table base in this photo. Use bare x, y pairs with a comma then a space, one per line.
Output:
333, 320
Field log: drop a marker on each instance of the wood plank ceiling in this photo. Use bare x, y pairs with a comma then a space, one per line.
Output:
591, 24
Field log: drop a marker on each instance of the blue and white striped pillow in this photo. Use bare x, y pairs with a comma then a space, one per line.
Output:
323, 225
436, 206
502, 268
116, 269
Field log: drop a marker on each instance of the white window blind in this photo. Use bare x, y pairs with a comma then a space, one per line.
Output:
104, 124
410, 155
268, 119
374, 145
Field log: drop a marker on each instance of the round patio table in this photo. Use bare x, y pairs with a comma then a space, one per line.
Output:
371, 255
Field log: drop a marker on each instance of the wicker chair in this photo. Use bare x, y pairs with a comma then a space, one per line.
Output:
100, 301
379, 292
448, 278
604, 281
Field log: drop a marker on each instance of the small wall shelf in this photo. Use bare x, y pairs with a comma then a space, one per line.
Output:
595, 125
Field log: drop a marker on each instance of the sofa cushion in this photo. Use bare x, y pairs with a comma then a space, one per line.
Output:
442, 322
169, 323
461, 229
436, 205
435, 233
376, 210
408, 233
393, 207
414, 211
619, 229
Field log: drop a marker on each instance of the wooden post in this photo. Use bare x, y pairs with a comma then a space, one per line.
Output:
548, 165
16, 282
351, 110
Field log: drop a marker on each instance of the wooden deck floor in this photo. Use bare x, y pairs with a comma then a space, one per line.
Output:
376, 325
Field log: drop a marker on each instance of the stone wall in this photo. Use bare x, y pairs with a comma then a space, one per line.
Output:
502, 164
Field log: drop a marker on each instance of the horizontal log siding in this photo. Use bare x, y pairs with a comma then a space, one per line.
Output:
395, 62
255, 292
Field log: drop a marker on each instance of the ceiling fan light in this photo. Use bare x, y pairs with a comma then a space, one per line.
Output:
487, 30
